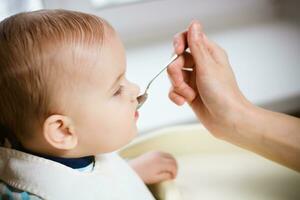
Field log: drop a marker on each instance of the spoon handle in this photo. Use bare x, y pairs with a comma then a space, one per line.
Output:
166, 66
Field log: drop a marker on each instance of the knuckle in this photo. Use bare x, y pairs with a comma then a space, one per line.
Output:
175, 37
156, 154
179, 87
172, 96
170, 69
223, 51
197, 42
171, 89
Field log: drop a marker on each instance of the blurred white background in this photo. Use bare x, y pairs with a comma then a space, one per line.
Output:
262, 38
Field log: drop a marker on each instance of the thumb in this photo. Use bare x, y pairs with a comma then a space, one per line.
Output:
198, 49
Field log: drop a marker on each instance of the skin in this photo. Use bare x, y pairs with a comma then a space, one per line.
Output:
213, 94
154, 167
99, 117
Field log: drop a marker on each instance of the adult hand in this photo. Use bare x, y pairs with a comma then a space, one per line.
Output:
211, 89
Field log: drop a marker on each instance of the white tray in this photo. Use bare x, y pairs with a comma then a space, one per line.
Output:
213, 169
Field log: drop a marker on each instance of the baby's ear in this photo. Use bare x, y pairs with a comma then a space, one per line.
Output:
59, 132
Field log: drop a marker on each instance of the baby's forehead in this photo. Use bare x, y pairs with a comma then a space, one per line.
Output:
104, 67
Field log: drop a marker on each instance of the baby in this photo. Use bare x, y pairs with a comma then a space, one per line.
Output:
65, 108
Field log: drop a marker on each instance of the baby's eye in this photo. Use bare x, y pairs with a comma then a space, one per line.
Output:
119, 91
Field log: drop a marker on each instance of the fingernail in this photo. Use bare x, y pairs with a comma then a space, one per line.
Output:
175, 43
196, 30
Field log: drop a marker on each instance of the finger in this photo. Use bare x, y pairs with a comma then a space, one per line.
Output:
180, 79
180, 42
163, 176
176, 98
217, 52
174, 166
198, 49
185, 91
175, 72
183, 60
169, 166
166, 155
172, 171
171, 159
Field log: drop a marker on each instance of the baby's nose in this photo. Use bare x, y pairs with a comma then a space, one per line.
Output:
138, 89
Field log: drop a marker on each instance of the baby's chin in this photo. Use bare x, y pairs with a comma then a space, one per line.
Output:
130, 138
122, 143
133, 135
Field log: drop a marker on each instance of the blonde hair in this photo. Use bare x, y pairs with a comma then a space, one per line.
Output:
30, 63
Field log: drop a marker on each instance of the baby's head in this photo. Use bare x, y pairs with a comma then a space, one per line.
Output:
63, 89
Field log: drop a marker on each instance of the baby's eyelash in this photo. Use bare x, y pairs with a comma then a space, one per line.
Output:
119, 91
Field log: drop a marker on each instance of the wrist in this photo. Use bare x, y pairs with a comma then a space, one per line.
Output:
243, 124
239, 119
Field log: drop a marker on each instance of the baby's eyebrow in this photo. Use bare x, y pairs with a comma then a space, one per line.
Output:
116, 81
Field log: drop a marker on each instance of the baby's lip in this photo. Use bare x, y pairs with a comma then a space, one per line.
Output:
136, 115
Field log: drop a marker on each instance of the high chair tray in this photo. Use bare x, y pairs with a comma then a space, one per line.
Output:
213, 169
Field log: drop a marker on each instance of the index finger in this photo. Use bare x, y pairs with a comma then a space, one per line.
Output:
180, 42
181, 79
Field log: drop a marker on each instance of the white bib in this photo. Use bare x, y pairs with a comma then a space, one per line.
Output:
111, 179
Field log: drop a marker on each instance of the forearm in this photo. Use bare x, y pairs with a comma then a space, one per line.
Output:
275, 136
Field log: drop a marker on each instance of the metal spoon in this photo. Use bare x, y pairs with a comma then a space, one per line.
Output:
142, 98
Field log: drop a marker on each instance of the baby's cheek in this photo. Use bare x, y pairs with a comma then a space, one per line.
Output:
130, 130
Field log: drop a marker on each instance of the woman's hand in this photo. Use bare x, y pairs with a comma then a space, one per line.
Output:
211, 89
154, 167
